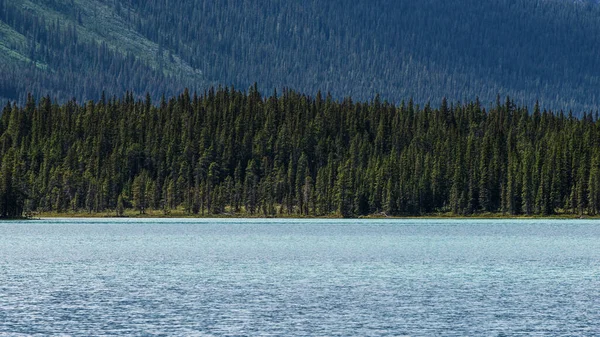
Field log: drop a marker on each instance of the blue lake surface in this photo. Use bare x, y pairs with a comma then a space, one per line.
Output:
240, 277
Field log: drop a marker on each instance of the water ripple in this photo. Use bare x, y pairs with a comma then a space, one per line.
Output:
298, 278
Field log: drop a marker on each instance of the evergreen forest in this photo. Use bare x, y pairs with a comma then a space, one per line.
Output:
530, 50
231, 152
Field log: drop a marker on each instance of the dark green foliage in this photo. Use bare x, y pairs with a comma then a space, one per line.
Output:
120, 206
12, 196
227, 151
425, 49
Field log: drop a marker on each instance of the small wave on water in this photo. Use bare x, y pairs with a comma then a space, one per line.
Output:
299, 277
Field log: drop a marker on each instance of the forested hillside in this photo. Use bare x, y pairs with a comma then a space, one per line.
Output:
81, 49
428, 49
227, 151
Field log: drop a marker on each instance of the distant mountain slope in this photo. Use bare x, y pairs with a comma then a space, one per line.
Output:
427, 49
81, 48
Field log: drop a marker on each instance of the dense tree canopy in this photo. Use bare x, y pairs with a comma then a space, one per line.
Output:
530, 50
227, 151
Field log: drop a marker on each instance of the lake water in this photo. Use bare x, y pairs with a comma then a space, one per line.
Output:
300, 277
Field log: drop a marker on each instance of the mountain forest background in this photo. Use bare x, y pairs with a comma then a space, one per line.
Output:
530, 50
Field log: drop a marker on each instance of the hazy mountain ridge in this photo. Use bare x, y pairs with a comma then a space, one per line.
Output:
545, 49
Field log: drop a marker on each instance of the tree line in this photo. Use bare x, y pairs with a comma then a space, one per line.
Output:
226, 151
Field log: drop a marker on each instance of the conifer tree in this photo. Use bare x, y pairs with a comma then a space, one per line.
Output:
235, 152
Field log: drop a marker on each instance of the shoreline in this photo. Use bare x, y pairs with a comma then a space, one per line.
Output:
183, 215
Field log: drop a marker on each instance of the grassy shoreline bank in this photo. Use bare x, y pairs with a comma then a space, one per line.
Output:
131, 214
